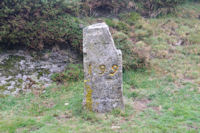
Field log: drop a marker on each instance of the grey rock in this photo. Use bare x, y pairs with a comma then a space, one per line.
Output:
18, 66
102, 70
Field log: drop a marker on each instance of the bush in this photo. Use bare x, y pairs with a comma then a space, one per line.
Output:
111, 23
73, 72
38, 23
156, 4
105, 6
118, 25
130, 18
154, 8
121, 26
151, 8
134, 56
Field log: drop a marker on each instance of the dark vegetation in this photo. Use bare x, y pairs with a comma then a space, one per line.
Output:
37, 23
72, 73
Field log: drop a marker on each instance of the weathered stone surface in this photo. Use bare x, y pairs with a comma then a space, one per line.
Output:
22, 72
102, 70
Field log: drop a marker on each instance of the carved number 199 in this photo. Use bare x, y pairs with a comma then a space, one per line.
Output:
102, 69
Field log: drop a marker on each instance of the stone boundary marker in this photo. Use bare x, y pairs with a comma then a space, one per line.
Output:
102, 70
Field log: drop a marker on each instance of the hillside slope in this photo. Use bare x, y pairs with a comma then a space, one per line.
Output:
162, 93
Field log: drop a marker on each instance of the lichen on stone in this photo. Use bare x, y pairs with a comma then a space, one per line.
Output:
88, 97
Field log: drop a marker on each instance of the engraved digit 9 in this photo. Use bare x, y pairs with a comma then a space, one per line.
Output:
114, 70
102, 68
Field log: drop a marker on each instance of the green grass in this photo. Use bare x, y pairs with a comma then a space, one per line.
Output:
170, 108
165, 98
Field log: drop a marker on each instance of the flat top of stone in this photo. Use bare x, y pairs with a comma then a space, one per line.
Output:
97, 26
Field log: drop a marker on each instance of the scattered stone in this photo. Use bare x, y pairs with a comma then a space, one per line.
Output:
21, 72
180, 42
66, 104
102, 70
115, 127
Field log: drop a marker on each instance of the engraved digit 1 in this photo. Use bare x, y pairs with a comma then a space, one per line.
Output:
90, 69
114, 70
102, 68
88, 97
88, 90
